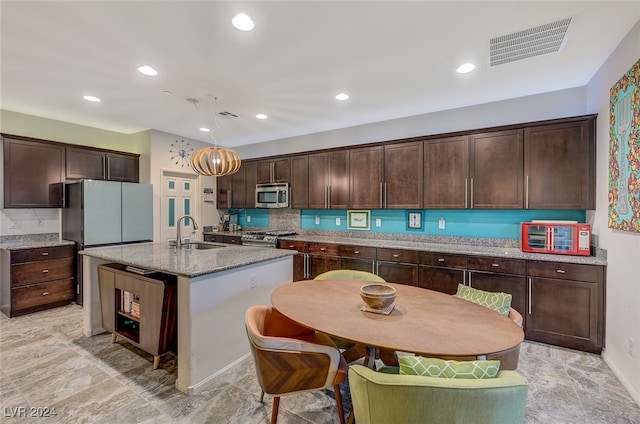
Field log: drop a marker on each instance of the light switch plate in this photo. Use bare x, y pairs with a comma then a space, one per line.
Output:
337, 221
441, 224
248, 218
378, 222
317, 220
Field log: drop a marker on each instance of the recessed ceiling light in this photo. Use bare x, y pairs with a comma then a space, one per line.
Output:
242, 22
465, 67
147, 70
92, 98
205, 129
261, 116
342, 96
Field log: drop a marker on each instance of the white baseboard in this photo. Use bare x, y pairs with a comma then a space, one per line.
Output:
627, 385
199, 387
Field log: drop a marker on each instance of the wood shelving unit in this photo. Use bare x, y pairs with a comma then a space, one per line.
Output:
155, 329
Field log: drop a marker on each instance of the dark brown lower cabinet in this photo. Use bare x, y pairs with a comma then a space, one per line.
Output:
562, 303
442, 271
566, 305
36, 279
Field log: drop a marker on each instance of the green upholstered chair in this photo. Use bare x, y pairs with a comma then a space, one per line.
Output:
388, 397
351, 351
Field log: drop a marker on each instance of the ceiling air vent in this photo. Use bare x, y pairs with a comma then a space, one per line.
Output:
227, 114
543, 39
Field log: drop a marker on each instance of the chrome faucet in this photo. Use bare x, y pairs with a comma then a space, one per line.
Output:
179, 235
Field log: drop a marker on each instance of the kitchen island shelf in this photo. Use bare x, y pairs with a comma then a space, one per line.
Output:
154, 328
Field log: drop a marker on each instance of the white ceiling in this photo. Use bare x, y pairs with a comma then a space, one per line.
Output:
395, 59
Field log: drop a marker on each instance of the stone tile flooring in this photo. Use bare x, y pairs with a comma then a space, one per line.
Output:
46, 362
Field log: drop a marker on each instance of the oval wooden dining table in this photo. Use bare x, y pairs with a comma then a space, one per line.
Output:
423, 321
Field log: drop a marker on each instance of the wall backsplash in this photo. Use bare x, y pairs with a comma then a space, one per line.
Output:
502, 224
29, 221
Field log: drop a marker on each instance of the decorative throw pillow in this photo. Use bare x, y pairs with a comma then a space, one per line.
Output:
433, 367
499, 302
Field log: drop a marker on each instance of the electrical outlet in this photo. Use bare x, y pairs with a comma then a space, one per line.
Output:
441, 223
337, 221
317, 220
253, 281
632, 347
378, 222
248, 218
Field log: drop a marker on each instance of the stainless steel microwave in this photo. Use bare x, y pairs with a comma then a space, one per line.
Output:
273, 195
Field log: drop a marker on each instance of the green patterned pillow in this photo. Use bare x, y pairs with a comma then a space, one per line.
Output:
499, 302
433, 367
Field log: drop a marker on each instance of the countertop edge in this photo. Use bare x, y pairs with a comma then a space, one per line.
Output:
462, 249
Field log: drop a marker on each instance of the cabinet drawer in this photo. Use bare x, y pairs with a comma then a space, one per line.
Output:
41, 294
445, 260
564, 271
237, 240
398, 255
42, 254
36, 272
300, 246
358, 252
218, 238
499, 265
323, 249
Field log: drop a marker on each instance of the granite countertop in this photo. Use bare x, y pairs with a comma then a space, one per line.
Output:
31, 242
463, 249
186, 262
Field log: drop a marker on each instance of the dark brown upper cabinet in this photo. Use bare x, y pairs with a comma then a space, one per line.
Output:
403, 173
33, 173
329, 180
559, 166
123, 167
250, 181
274, 171
299, 189
446, 173
85, 163
366, 177
496, 170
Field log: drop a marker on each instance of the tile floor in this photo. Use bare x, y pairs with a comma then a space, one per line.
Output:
46, 362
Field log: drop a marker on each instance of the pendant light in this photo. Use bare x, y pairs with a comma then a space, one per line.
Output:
216, 161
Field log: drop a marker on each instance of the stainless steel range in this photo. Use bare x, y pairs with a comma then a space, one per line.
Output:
266, 238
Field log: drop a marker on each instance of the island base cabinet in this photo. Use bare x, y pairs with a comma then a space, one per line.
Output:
140, 309
563, 313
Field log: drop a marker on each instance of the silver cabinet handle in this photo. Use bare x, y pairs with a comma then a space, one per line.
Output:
464, 278
45, 293
529, 289
357, 252
381, 197
469, 278
441, 260
44, 271
526, 192
466, 192
329, 195
385, 195
322, 249
495, 265
471, 193
396, 256
45, 253
560, 271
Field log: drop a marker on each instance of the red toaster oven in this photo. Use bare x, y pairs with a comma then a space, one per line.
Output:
556, 237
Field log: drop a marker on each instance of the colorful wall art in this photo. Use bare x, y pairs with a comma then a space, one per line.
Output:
624, 152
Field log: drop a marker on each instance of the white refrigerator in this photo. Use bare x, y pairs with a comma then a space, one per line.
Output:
101, 213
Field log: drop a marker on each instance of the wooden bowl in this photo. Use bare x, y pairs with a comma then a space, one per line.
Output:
377, 296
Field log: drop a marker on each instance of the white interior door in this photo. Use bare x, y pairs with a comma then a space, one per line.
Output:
180, 196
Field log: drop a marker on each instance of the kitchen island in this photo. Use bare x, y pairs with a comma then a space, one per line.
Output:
215, 286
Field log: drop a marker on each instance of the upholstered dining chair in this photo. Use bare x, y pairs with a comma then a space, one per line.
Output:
389, 397
352, 351
290, 358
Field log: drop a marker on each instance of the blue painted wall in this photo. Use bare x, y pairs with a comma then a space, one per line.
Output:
461, 223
